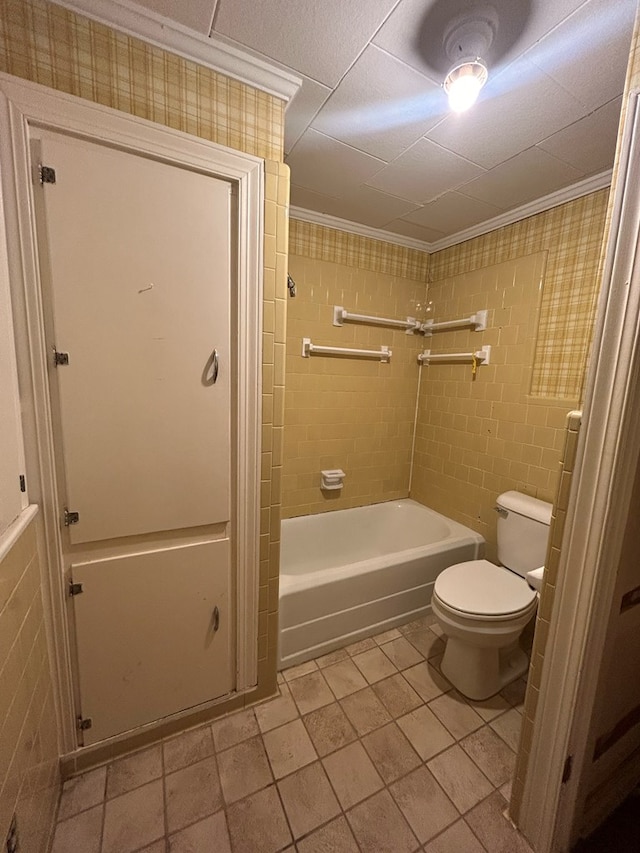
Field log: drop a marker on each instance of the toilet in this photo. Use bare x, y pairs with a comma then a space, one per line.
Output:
483, 608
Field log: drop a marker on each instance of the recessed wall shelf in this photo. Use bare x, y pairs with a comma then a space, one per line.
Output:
341, 315
482, 356
383, 354
478, 320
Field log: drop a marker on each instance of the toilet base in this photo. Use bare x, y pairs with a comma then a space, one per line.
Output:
479, 672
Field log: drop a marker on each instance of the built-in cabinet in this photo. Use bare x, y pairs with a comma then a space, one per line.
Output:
142, 305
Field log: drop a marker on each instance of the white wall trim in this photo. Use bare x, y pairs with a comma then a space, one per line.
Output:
212, 51
24, 105
577, 190
15, 530
355, 228
608, 451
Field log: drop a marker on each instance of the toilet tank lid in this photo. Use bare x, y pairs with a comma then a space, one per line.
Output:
526, 505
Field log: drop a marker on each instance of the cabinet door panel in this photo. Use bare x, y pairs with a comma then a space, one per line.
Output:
138, 255
146, 640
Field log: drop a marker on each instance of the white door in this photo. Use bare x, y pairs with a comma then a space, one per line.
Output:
135, 257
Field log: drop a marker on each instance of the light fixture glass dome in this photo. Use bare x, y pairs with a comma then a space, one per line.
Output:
463, 83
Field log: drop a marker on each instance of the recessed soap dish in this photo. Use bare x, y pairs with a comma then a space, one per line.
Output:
332, 479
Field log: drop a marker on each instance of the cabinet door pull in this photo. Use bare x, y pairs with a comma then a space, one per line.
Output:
216, 367
216, 618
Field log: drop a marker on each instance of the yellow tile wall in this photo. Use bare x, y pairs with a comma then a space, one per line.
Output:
349, 413
47, 44
29, 775
571, 234
477, 438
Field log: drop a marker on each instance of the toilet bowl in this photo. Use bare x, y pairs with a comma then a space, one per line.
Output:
483, 608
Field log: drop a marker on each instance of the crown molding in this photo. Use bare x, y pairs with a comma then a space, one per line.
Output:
355, 228
215, 52
570, 193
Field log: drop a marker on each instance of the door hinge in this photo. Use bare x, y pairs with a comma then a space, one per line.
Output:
70, 517
47, 175
75, 588
83, 723
60, 358
568, 767
23, 483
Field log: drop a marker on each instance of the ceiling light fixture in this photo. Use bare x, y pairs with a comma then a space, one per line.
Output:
467, 39
463, 83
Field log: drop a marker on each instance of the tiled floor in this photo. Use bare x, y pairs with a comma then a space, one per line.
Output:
366, 749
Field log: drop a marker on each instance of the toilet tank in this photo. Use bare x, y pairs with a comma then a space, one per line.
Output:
523, 531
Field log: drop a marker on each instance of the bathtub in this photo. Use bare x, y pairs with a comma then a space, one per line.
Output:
351, 573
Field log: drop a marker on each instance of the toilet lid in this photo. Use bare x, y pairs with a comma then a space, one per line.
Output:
481, 588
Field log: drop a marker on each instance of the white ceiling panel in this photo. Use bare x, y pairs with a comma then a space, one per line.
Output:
196, 14
381, 106
590, 143
329, 167
319, 39
452, 212
592, 44
302, 110
423, 172
519, 108
404, 35
364, 205
527, 176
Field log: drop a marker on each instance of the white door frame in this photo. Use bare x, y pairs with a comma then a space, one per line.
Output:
23, 105
608, 452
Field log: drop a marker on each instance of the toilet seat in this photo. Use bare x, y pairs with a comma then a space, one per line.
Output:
482, 590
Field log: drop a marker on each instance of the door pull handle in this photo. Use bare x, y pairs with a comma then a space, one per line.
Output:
216, 618
216, 367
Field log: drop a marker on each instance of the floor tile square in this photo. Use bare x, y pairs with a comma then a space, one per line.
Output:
402, 653
192, 793
257, 823
352, 774
300, 669
275, 712
378, 824
491, 754
457, 839
386, 636
329, 728
462, 781
397, 695
308, 799
419, 624
331, 658
508, 727
187, 748
426, 681
289, 748
244, 769
335, 837
489, 824
133, 820
365, 711
425, 732
310, 692
82, 792
391, 753
231, 730
491, 707
206, 836
374, 665
423, 803
426, 642
360, 646
452, 710
344, 678
134, 770
81, 832
515, 692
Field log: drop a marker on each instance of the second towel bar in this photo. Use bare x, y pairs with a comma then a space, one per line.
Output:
341, 315
482, 356
384, 353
